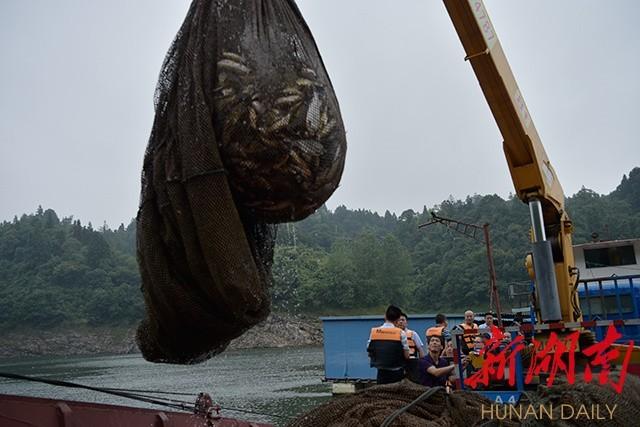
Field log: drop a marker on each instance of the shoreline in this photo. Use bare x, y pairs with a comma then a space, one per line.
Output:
278, 330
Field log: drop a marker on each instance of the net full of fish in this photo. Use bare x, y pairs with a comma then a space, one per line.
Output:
247, 134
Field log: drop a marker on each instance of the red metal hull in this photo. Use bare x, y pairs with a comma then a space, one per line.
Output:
20, 411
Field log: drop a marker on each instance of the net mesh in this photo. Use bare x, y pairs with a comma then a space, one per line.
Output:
247, 133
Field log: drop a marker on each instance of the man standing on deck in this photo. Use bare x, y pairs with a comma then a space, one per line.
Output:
487, 325
388, 348
470, 331
416, 349
440, 329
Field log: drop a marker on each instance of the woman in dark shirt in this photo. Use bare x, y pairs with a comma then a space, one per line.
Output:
434, 370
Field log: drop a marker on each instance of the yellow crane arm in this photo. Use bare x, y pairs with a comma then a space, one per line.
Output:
534, 178
532, 173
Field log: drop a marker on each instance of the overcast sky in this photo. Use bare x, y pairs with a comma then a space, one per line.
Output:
77, 80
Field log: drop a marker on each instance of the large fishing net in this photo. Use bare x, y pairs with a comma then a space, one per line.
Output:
382, 404
372, 406
247, 134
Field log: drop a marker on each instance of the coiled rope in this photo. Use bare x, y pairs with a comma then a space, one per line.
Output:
424, 396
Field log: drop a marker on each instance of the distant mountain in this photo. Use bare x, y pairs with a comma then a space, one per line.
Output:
59, 272
629, 189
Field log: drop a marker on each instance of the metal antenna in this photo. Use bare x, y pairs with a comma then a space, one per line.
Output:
472, 231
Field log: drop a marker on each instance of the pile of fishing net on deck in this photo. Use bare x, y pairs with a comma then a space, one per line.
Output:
372, 407
247, 134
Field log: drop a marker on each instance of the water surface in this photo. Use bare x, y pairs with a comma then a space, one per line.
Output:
284, 382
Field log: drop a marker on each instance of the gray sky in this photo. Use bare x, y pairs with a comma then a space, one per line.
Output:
77, 80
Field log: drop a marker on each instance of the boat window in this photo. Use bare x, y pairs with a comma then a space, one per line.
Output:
609, 257
610, 304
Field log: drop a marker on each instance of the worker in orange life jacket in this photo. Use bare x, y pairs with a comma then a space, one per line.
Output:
416, 349
388, 348
470, 331
440, 329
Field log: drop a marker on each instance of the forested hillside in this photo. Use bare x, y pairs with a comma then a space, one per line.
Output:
60, 272
56, 271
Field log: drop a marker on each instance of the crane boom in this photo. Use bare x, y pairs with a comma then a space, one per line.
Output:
534, 178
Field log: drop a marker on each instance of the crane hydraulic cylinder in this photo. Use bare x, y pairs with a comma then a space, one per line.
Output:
546, 285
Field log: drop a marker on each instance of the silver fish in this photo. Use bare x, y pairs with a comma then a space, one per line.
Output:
227, 64
327, 128
287, 100
310, 147
233, 56
308, 73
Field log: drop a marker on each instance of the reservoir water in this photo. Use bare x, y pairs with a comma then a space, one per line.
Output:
265, 385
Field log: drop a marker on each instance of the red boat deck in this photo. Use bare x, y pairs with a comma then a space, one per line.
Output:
20, 411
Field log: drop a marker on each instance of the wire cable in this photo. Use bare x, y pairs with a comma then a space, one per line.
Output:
132, 390
134, 394
142, 398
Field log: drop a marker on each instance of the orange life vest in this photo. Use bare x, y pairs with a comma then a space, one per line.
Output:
385, 348
467, 338
435, 331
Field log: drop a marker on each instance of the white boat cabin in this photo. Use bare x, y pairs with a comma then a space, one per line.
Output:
608, 258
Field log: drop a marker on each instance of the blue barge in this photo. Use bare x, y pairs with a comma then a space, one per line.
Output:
345, 343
